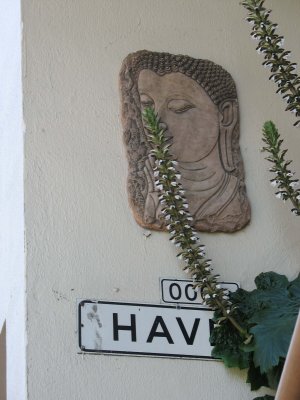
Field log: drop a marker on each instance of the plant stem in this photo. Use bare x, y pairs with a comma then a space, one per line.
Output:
179, 224
276, 58
284, 177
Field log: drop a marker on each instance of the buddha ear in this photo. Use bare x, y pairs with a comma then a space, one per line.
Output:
228, 117
228, 112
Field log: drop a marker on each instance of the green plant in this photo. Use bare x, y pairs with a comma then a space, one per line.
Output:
244, 320
253, 329
270, 44
178, 219
283, 179
276, 58
269, 312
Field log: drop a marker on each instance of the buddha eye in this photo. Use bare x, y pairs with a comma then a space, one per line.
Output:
147, 104
180, 106
146, 100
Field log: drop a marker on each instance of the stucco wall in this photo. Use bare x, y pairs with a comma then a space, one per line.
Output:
81, 239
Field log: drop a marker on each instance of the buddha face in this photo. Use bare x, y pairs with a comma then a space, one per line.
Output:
191, 118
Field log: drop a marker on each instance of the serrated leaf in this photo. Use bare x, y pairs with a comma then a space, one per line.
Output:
270, 312
294, 287
273, 334
256, 378
227, 342
250, 303
274, 375
244, 300
231, 358
271, 280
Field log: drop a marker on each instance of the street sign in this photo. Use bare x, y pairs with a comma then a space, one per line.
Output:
181, 291
144, 329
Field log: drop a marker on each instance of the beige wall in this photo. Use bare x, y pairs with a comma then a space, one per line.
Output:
81, 239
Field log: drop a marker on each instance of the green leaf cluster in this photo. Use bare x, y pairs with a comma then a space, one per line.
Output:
269, 313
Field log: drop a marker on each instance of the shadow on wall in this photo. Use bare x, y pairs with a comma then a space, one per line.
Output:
3, 363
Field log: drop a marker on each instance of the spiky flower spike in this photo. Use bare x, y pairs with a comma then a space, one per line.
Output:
284, 177
179, 223
276, 58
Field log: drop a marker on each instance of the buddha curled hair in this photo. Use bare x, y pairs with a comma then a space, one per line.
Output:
216, 82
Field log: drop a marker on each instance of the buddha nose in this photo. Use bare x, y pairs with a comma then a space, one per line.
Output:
167, 134
163, 125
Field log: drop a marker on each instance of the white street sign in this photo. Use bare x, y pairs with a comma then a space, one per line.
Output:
181, 291
144, 329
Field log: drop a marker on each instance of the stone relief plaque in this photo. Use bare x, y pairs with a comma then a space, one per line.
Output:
196, 101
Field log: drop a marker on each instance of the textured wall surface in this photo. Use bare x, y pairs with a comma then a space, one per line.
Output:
81, 239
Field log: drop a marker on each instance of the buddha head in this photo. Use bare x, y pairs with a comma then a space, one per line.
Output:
196, 102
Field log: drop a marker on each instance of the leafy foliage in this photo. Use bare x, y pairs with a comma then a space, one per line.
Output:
227, 344
272, 332
272, 308
253, 329
269, 312
256, 378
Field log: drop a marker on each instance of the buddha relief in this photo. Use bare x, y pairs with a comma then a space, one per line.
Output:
196, 102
